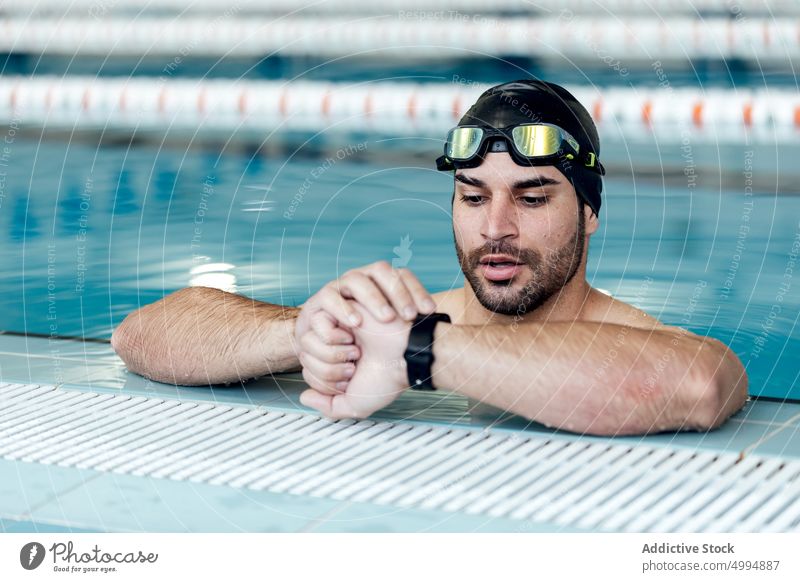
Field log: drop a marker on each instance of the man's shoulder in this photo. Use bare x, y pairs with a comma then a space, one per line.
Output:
608, 309
601, 308
447, 301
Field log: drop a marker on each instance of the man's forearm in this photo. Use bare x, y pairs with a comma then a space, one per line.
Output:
581, 376
201, 335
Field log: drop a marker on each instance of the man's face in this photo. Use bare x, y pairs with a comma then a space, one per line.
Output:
529, 214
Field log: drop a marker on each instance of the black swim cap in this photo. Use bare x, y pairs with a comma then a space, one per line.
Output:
535, 101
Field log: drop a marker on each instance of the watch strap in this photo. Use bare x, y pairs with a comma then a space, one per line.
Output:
419, 353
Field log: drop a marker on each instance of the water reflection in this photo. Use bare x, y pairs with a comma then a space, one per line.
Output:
216, 275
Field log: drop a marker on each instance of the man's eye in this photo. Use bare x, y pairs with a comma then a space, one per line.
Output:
471, 199
534, 200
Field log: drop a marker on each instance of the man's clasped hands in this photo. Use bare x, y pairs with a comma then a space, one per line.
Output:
351, 338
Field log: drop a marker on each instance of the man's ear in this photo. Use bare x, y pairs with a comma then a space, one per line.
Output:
592, 222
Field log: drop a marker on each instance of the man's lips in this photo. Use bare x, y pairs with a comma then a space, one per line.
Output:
498, 259
500, 267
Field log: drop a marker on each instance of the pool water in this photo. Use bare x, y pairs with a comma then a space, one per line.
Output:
92, 233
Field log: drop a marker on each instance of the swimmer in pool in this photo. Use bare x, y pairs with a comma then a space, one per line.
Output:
526, 333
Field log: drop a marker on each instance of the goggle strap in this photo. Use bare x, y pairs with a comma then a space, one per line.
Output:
443, 163
593, 163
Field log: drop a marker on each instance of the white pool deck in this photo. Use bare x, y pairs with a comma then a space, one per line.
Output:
87, 446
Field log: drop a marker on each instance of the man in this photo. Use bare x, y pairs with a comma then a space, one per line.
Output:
526, 333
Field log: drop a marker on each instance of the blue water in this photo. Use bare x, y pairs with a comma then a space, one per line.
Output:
93, 233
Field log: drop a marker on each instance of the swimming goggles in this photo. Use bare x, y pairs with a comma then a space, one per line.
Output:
534, 144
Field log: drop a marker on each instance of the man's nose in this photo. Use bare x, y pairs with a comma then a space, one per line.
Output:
500, 219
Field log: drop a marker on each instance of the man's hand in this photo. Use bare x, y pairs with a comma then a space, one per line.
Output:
380, 373
384, 292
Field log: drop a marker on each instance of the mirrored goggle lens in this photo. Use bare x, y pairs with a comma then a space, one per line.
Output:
463, 142
537, 140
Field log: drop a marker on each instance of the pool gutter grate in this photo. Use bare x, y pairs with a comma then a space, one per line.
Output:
565, 481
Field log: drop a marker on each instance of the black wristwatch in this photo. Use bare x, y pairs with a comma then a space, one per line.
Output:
419, 353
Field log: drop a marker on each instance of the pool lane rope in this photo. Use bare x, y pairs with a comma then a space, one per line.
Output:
570, 39
412, 7
663, 114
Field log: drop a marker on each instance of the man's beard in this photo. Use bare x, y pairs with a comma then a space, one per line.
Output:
548, 276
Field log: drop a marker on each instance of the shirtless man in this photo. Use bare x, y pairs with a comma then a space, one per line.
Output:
527, 333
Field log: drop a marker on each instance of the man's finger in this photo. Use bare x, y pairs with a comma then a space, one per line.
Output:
329, 378
313, 345
324, 326
324, 389
363, 289
332, 407
316, 400
423, 299
394, 288
331, 300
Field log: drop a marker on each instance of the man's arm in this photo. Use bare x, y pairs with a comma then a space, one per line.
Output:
201, 335
597, 378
